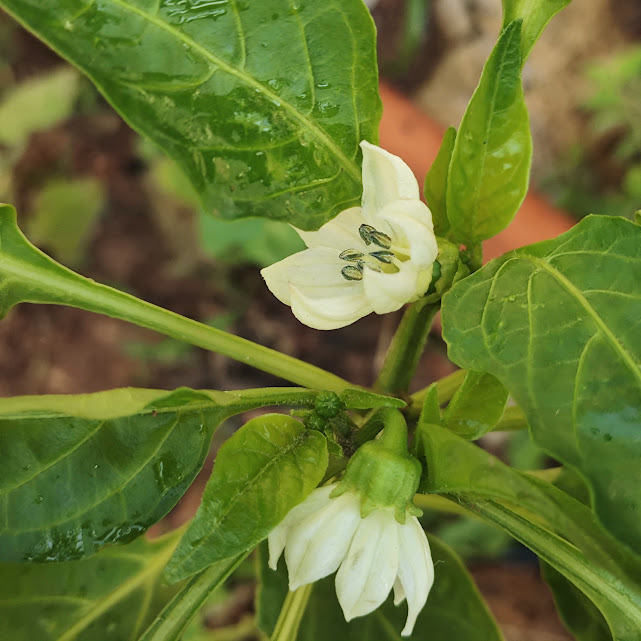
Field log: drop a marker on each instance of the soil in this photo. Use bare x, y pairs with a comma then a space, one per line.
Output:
55, 350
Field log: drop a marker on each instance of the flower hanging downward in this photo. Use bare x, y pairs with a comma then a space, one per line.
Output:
367, 525
372, 258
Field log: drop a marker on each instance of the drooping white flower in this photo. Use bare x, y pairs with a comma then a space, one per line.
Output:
375, 553
372, 258
365, 527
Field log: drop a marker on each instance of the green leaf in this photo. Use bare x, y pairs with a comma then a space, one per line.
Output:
177, 614
360, 399
476, 407
454, 609
112, 596
36, 104
557, 324
262, 104
28, 275
535, 14
557, 527
266, 468
576, 610
65, 212
579, 614
435, 188
78, 472
255, 240
490, 166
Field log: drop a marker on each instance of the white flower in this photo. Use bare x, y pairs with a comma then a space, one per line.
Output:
372, 258
374, 553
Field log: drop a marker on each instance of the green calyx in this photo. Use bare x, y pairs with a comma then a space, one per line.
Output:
383, 472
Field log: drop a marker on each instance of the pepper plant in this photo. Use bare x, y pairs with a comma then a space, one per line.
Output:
271, 108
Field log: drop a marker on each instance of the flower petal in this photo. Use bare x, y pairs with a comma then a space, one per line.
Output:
319, 309
278, 536
415, 569
386, 178
367, 574
399, 593
312, 270
409, 222
317, 544
341, 232
389, 292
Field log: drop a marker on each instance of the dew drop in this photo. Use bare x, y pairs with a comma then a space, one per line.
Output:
39, 499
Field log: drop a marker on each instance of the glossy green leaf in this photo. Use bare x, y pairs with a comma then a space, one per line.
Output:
266, 468
561, 530
64, 215
37, 104
490, 166
78, 472
435, 185
535, 15
435, 188
262, 104
476, 407
557, 323
454, 608
29, 275
112, 596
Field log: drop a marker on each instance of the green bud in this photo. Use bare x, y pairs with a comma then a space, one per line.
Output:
328, 404
383, 472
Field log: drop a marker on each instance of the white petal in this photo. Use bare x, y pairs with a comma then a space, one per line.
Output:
385, 178
399, 593
278, 536
340, 232
409, 223
415, 569
389, 292
367, 574
317, 545
322, 307
317, 269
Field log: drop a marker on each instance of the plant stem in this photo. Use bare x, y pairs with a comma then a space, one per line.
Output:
176, 615
406, 347
63, 286
291, 614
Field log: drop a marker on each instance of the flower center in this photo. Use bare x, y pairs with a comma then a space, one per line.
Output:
381, 260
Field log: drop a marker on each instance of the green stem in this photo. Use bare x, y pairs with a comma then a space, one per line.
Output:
176, 615
406, 347
291, 614
50, 282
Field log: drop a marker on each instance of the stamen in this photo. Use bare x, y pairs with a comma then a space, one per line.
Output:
384, 256
352, 272
351, 255
371, 235
365, 231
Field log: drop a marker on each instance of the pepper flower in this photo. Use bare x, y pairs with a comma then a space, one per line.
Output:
372, 258
367, 525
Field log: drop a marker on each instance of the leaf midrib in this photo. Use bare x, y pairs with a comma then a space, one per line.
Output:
349, 164
247, 487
